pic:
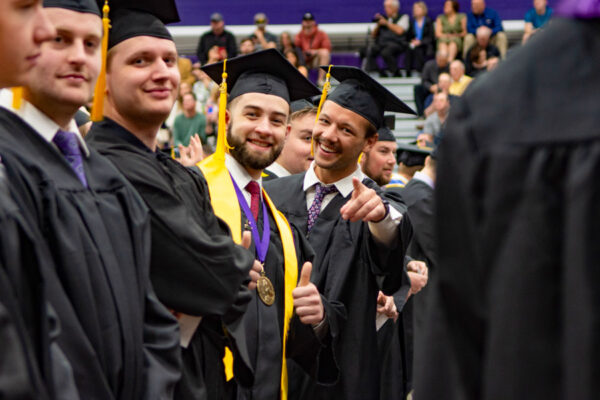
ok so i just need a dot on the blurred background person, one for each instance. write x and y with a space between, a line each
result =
422 38
536 18
189 123
247 46
315 45
450 30
481 15
217 36
263 39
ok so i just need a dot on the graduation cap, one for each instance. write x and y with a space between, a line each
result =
305 103
265 71
128 19
82 6
389 121
410 154
360 93
385 134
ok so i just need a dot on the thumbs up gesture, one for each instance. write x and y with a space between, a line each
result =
307 300
256 267
364 204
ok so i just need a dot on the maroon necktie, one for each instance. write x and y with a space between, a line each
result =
254 189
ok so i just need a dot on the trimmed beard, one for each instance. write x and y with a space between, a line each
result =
245 158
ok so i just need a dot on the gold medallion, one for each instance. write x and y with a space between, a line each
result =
265 289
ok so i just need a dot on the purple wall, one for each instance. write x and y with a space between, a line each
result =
241 12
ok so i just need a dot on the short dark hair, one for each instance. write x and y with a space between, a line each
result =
455 5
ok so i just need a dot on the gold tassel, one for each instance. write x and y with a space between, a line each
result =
222 145
98 104
17 97
326 88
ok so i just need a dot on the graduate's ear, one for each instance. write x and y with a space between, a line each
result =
370 142
227 117
288 129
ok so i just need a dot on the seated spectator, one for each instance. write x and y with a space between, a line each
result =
421 35
460 81
478 54
184 88
391 39
536 18
450 29
286 43
429 79
482 15
217 36
189 123
247 46
315 45
184 65
292 57
444 82
262 38
433 123
203 87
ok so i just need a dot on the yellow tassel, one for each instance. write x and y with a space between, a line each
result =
222 145
98 104
326 88
17 97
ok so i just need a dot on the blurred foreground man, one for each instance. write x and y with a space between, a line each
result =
515 309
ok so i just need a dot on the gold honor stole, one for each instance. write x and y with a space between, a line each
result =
226 207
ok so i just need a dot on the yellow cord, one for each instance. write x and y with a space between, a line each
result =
98 104
222 145
17 97
326 88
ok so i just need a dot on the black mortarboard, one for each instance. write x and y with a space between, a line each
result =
127 23
82 6
385 135
265 71
360 93
305 103
389 121
410 154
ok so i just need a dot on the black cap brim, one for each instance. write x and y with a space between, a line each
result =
265 72
164 10
82 6
385 135
360 93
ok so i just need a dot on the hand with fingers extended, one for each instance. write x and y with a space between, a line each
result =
193 153
307 300
386 306
256 267
365 204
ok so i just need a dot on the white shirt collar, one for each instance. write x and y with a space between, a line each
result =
239 173
422 176
42 124
278 170
344 185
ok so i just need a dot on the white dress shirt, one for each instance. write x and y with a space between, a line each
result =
278 170
42 124
241 177
383 231
424 178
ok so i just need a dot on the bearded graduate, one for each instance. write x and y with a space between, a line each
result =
282 320
358 238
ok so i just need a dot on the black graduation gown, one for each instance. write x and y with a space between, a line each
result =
419 201
349 270
99 243
516 301
24 336
268 175
196 268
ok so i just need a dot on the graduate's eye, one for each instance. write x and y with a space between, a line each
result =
138 61
250 114
278 121
347 130
169 60
307 138
323 120
92 44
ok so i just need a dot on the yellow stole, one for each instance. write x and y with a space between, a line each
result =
226 207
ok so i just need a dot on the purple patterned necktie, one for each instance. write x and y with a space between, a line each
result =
68 145
315 208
